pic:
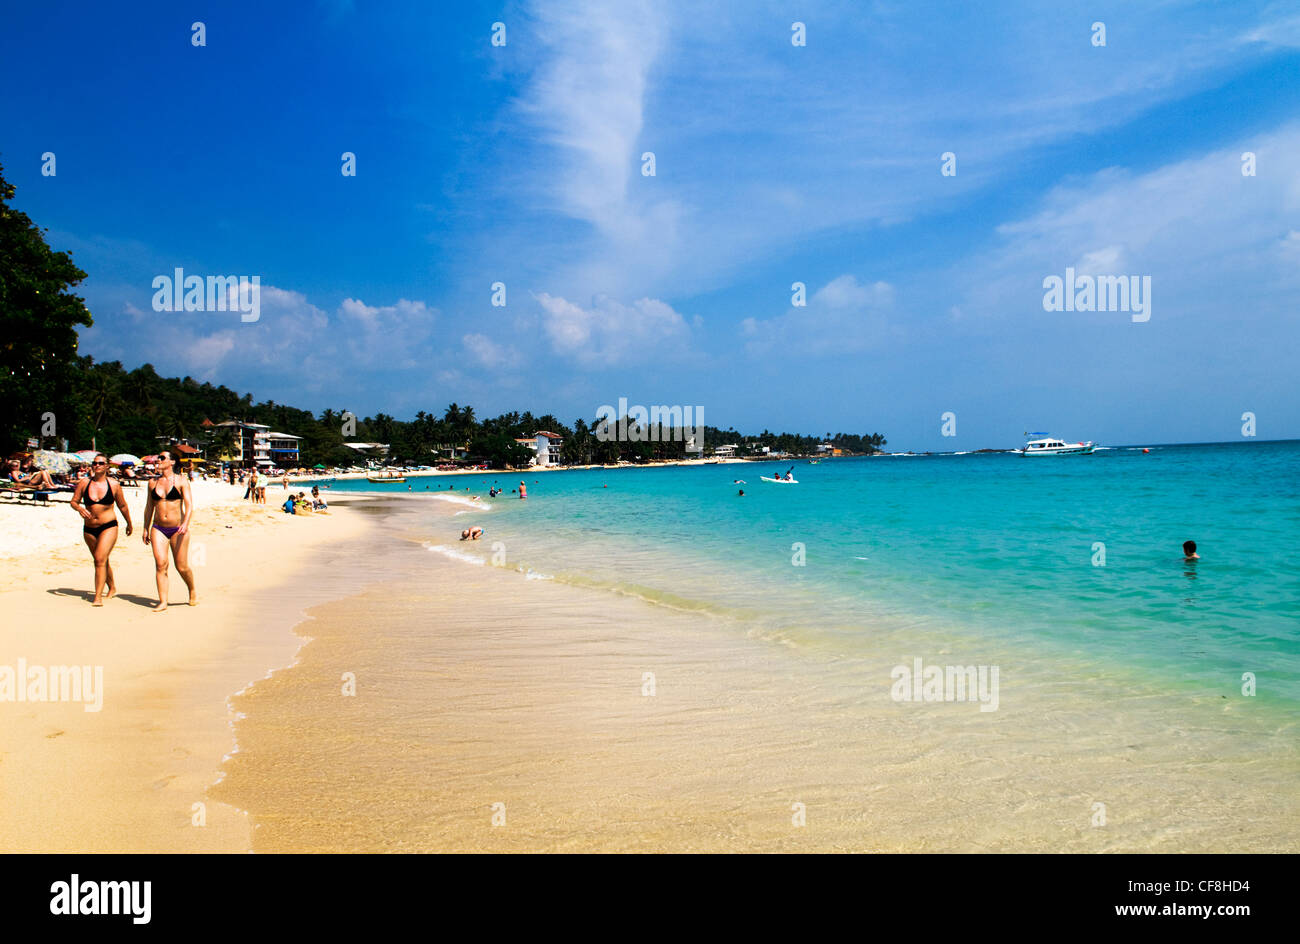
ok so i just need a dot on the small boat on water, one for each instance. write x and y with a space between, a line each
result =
385 477
1050 446
779 481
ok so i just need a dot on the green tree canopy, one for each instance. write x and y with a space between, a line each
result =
39 318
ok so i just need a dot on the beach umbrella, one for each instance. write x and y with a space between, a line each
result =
319 465
86 455
124 458
75 458
50 461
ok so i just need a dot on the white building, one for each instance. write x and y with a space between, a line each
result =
725 452
548 448
545 446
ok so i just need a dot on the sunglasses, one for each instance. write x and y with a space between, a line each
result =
99 462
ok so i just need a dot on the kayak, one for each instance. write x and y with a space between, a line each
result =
779 481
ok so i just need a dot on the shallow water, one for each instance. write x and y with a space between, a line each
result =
771 696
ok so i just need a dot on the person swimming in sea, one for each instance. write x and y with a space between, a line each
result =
1189 551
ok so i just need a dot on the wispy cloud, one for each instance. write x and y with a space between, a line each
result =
844 316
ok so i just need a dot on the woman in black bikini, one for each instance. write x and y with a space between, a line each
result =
100 528
167 522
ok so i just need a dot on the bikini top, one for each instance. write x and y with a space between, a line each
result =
108 495
173 495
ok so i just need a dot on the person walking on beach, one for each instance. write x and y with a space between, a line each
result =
167 514
93 499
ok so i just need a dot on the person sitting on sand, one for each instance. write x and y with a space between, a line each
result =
288 507
100 522
317 503
1189 551
471 534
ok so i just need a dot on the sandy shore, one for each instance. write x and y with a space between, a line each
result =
127 777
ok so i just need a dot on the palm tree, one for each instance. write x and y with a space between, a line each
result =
223 442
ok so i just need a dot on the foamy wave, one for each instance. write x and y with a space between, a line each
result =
460 500
535 575
456 554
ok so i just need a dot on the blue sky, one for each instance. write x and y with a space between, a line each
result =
774 164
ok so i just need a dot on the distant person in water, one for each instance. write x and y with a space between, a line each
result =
741 493
523 490
1189 551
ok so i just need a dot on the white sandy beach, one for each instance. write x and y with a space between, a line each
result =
126 777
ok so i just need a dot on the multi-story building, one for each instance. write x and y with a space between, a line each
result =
284 449
252 445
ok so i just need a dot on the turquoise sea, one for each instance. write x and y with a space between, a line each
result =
1072 557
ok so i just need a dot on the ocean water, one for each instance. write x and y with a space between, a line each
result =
501 699
1073 558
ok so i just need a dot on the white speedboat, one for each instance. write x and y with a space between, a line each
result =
1050 446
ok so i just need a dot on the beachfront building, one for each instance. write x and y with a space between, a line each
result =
545 446
370 450
548 448
252 443
284 449
725 452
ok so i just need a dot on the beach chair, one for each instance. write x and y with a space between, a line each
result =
29 496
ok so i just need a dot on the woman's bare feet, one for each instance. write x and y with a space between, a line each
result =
96 602
159 607
194 599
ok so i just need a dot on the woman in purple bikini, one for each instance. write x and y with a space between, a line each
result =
167 514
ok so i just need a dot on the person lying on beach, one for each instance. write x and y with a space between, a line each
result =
38 478
1189 551
471 534
100 522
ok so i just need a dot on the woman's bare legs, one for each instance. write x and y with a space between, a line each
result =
181 552
158 544
101 545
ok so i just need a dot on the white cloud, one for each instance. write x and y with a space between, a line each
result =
610 333
1212 240
489 353
843 316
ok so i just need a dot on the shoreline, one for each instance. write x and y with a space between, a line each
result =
477 686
